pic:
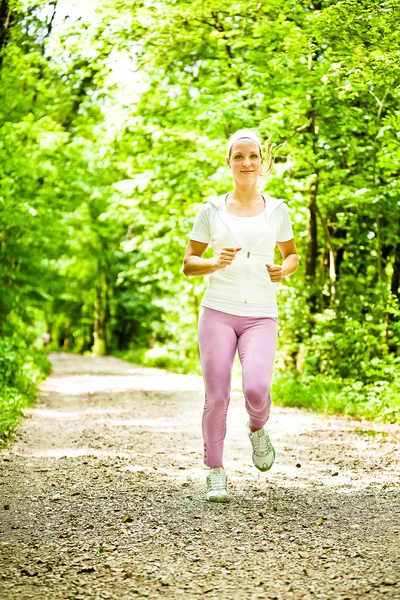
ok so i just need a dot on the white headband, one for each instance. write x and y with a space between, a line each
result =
243 134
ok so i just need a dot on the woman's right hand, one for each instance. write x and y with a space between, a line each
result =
226 257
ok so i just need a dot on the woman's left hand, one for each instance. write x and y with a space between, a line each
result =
276 272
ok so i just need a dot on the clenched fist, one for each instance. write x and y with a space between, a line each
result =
226 257
276 272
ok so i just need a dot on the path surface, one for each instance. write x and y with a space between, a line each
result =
102 496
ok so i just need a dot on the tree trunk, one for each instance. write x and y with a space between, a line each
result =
6 22
312 233
67 335
100 318
332 258
312 228
395 282
394 298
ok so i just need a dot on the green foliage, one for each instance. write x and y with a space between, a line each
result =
113 128
21 369
331 395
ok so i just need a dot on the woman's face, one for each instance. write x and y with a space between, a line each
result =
245 161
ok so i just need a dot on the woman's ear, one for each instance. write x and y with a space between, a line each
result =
228 161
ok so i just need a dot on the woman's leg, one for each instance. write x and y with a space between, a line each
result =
217 344
257 346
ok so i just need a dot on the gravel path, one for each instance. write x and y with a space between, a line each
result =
102 496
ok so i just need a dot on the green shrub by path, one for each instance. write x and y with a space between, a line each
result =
21 370
376 401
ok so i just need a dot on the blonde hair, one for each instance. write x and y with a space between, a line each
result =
268 164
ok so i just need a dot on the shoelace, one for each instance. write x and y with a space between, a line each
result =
216 482
262 445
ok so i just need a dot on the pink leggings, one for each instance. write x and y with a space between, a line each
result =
220 334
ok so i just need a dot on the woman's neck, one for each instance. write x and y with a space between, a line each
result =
246 196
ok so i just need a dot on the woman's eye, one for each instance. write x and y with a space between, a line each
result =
239 156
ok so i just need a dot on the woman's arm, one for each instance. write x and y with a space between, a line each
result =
194 264
290 262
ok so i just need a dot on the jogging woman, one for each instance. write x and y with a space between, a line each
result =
238 309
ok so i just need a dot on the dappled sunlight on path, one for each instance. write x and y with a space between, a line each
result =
105 489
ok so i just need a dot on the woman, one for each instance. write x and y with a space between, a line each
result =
239 310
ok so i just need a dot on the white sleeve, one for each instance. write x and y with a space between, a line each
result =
285 231
201 230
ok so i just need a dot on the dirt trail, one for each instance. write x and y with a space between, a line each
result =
102 496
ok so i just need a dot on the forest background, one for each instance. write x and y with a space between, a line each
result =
114 117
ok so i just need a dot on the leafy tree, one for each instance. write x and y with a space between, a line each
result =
113 129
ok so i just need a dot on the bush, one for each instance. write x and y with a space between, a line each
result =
339 364
376 401
21 370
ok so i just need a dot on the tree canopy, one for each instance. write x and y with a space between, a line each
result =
113 123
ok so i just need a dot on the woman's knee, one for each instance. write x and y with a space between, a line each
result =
216 403
257 394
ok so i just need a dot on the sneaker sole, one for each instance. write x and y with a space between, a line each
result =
256 466
218 499
265 468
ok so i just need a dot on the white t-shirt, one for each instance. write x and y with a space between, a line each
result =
244 288
244 229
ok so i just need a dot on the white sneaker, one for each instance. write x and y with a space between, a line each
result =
216 486
263 450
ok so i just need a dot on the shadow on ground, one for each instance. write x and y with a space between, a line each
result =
102 496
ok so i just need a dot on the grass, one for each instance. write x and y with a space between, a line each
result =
371 432
378 401
18 387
